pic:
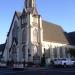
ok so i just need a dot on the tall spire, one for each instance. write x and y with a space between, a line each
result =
29 4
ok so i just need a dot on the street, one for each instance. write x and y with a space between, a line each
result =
34 71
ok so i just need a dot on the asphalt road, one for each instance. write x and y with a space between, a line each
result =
38 72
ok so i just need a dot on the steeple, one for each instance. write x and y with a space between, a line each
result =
29 4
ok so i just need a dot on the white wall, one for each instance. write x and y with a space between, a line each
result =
48 45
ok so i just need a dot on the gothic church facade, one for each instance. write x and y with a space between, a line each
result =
30 37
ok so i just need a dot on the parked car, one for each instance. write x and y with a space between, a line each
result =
57 61
64 62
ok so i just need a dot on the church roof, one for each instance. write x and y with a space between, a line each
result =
53 33
18 14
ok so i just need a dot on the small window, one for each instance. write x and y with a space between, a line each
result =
23 51
35 35
14 53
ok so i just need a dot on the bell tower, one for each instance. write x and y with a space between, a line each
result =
34 31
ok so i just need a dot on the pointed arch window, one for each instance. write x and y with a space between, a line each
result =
24 35
15 31
35 50
14 53
35 35
23 51
24 20
61 52
55 52
66 52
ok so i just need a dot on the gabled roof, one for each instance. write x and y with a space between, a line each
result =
53 33
18 14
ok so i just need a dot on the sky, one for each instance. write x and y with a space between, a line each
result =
61 12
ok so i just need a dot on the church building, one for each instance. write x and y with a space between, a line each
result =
30 37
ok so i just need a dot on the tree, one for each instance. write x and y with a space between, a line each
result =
72 52
43 60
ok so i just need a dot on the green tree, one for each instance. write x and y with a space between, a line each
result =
43 60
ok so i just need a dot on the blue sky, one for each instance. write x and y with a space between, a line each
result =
61 12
